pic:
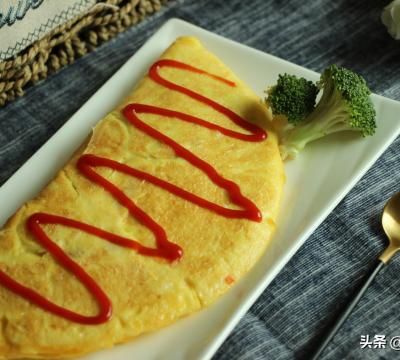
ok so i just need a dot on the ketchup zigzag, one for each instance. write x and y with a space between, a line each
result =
164 248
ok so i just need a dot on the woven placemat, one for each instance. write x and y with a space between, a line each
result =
70 41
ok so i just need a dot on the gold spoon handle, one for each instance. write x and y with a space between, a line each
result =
347 310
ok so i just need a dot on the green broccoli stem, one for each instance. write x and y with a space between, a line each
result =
329 116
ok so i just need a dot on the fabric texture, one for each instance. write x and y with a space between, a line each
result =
288 319
23 22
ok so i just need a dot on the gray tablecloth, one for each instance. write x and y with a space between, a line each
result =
288 319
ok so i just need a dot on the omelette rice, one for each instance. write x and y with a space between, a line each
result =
150 282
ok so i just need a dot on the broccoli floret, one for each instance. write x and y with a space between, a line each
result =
293 97
345 104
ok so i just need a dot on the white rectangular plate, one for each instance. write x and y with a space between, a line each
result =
348 156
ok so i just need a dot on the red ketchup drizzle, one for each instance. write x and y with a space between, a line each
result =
164 248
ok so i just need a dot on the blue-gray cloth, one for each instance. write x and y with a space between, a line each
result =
292 313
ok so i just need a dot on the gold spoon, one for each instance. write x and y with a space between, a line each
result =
391 226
